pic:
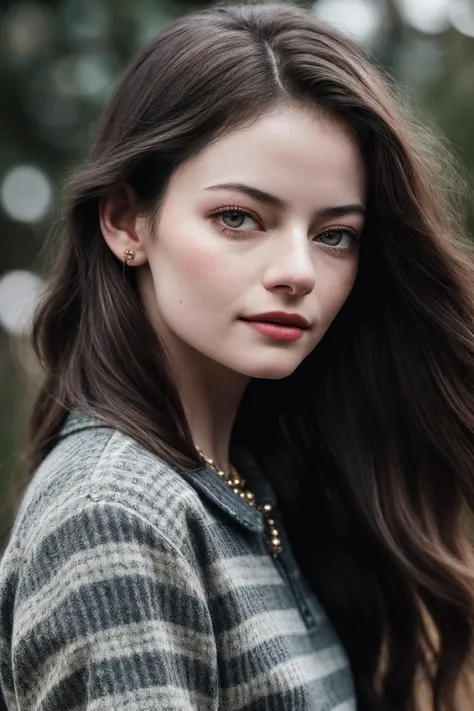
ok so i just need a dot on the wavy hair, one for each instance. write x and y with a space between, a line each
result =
375 430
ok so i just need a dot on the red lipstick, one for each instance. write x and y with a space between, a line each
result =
279 325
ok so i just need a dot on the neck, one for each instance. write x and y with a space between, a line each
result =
211 395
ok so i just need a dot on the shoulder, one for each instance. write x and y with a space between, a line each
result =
97 573
94 467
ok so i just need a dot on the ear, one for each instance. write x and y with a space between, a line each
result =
121 226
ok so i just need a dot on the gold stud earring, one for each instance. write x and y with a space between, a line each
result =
129 255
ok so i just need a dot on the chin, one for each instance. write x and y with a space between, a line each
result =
270 371
274 376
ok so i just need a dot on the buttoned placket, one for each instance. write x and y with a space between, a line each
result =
215 489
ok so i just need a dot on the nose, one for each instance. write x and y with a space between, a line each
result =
291 268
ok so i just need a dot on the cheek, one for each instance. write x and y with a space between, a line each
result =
190 278
206 277
196 262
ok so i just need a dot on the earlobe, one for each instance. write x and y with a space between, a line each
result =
118 223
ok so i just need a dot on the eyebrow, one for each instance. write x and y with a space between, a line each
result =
268 199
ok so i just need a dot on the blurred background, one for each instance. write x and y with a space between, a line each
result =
59 62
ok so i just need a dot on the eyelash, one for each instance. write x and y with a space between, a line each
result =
244 211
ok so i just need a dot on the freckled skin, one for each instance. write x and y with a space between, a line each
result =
199 281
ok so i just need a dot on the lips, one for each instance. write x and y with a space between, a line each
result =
281 318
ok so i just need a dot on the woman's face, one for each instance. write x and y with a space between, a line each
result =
266 220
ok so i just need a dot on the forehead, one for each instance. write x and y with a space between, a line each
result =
294 152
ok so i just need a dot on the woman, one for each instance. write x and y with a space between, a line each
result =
253 449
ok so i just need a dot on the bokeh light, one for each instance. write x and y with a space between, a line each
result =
430 16
26 30
26 193
93 75
20 292
361 19
461 15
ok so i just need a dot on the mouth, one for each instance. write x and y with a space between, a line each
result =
279 326
280 318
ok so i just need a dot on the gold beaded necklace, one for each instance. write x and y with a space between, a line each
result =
237 484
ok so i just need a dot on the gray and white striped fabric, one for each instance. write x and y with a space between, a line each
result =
128 585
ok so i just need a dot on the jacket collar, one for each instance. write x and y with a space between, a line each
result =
205 481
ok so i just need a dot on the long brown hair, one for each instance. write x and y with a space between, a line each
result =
375 429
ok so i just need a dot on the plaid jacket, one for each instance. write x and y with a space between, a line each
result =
127 585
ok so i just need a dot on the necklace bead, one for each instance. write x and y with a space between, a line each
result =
237 484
